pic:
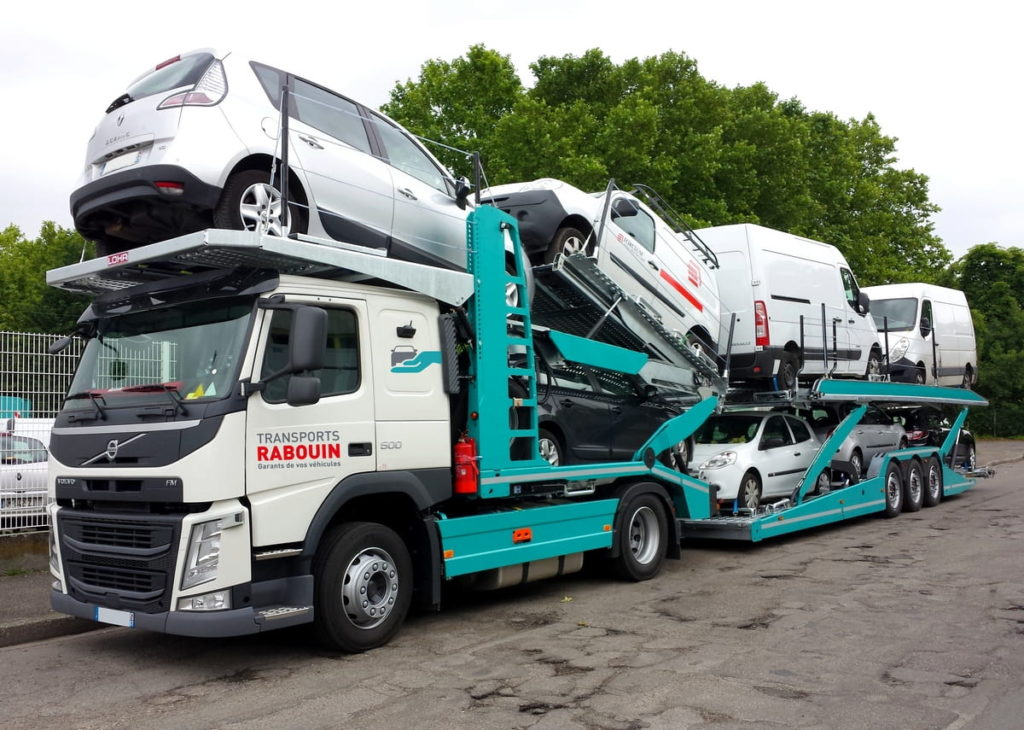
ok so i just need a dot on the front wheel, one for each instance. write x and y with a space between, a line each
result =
750 490
643 539
250 203
874 365
569 240
363 586
550 449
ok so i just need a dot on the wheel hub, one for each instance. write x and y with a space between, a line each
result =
370 588
643 535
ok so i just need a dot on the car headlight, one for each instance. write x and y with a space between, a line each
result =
203 554
898 350
719 460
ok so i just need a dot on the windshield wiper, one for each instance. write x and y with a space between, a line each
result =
169 388
94 399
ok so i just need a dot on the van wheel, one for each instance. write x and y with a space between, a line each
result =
919 375
932 482
569 240
893 490
788 366
968 378
913 487
874 365
249 202
363 586
642 539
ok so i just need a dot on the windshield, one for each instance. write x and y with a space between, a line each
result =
902 314
186 353
21 450
728 429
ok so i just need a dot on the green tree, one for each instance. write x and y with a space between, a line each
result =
29 304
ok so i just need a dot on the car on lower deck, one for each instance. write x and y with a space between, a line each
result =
930 425
193 142
748 456
876 433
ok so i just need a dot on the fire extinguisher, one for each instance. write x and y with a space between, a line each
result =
466 469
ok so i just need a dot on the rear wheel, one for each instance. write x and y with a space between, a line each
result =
932 482
569 240
913 487
857 462
643 538
823 483
788 367
893 490
363 586
249 203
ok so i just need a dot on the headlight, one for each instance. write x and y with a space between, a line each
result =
719 460
203 554
899 349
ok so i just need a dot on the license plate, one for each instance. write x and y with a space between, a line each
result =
120 162
115 617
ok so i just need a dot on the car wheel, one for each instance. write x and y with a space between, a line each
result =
643 538
788 366
857 462
569 240
550 450
903 443
913 487
874 365
249 202
750 490
823 484
919 375
677 457
971 462
932 482
893 489
363 586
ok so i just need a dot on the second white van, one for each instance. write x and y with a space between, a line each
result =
930 333
778 285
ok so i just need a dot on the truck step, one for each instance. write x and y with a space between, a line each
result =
277 613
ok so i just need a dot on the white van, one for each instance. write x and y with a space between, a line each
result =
930 333
776 284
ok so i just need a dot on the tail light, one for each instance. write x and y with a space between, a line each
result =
209 91
917 435
761 335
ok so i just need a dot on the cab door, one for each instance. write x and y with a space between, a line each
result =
861 334
294 455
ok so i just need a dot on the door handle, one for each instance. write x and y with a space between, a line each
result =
796 453
407 193
311 142
852 321
364 449
652 264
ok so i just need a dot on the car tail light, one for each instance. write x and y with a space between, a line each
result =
210 90
761 335
917 435
168 62
170 188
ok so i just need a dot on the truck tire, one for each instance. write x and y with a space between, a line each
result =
642 539
363 586
893 486
932 482
248 197
913 487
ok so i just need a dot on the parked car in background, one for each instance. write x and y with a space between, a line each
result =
748 456
930 334
23 472
588 414
191 144
929 426
876 433
777 285
652 256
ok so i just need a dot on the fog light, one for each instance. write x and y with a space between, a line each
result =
217 601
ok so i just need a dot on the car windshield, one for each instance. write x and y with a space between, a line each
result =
900 313
728 429
184 71
189 352
21 450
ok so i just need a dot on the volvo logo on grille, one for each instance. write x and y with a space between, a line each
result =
110 453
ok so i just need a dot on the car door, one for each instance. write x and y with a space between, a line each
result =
350 186
626 252
429 226
777 456
878 433
632 419
860 334
567 392
806 446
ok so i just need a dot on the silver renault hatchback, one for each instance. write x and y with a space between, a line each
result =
193 142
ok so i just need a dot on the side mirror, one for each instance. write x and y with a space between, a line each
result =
462 191
926 326
303 390
863 303
306 340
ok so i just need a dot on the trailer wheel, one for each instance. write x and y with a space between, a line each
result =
249 202
893 490
932 482
913 487
569 240
642 539
363 586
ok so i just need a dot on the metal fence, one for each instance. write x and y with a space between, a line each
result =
32 387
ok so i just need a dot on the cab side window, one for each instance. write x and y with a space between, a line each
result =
340 373
637 223
850 287
927 323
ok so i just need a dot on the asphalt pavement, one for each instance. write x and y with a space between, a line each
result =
25 613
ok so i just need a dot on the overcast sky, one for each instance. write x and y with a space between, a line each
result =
943 78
